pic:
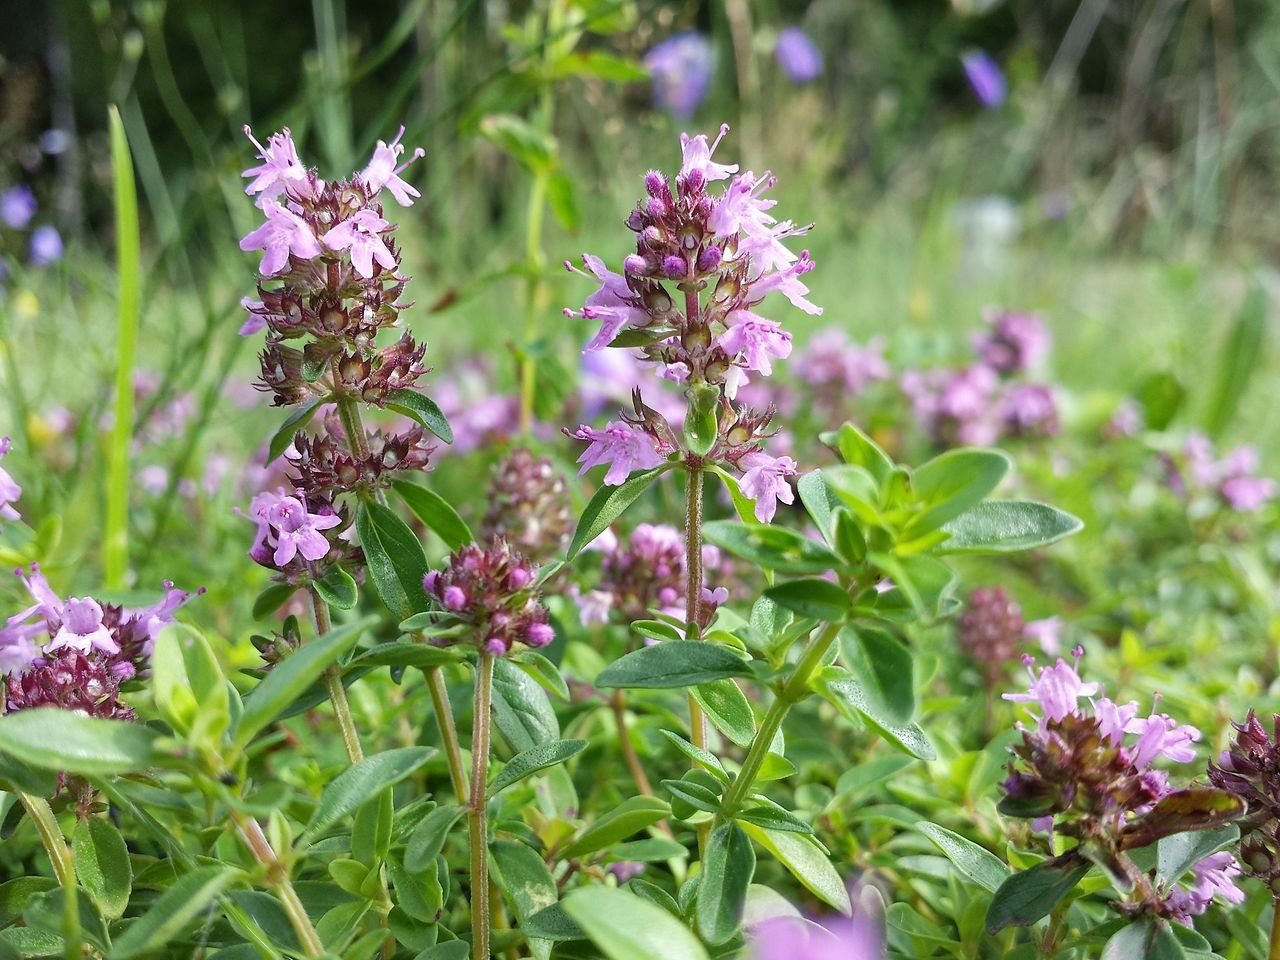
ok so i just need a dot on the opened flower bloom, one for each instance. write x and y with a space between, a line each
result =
764 480
382 173
9 489
361 233
286 529
283 234
621 446
280 170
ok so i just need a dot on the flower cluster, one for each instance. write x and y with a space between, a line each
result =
529 505
687 301
330 278
491 590
837 369
681 67
646 574
9 489
88 648
1089 772
1232 479
991 629
1250 770
296 540
990 398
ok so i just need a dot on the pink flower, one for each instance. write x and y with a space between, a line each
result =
1057 690
623 447
362 232
283 234
280 169
764 481
257 320
151 620
1159 735
696 155
382 171
741 209
787 282
9 489
1214 876
82 628
612 304
839 938
298 531
1114 718
756 339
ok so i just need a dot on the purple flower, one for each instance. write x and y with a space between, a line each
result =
756 339
740 209
764 480
1214 876
1047 633
82 628
9 489
798 56
1015 342
788 283
696 153
283 234
1114 718
1247 494
1056 690
46 246
830 359
613 304
620 445
382 171
839 938
985 78
1159 735
17 206
491 590
1029 410
280 170
257 320
286 529
681 67
362 233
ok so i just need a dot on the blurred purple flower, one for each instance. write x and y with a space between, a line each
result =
1015 342
681 67
46 246
9 489
985 78
838 938
17 206
798 55
1029 410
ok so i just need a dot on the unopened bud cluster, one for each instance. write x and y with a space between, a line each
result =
529 505
492 591
989 631
1250 769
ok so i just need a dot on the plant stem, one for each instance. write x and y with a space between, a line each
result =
477 827
337 692
693 609
64 868
278 878
619 703
448 732
792 691
1273 952
352 425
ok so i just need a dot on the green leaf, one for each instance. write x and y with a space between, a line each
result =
1238 360
522 873
292 677
1195 808
429 836
630 816
272 599
534 759
728 709
804 858
856 700
1023 898
521 710
289 429
727 871
819 599
626 927
704 758
21 776
605 66
1145 939
691 795
420 407
405 653
396 561
608 504
677 663
535 149
1008 526
977 863
102 865
190 689
553 923
338 589
544 671
775 548
774 818
885 669
361 783
701 427
436 512
1177 854
174 912
54 739
562 196
954 481
859 450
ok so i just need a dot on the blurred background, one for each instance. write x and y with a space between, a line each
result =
1109 164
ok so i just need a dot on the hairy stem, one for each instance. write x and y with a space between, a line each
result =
333 681
352 426
476 808
278 878
619 704
1273 952
693 611
64 868
448 732
793 691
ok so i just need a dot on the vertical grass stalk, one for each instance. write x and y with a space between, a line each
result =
476 807
64 868
115 547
